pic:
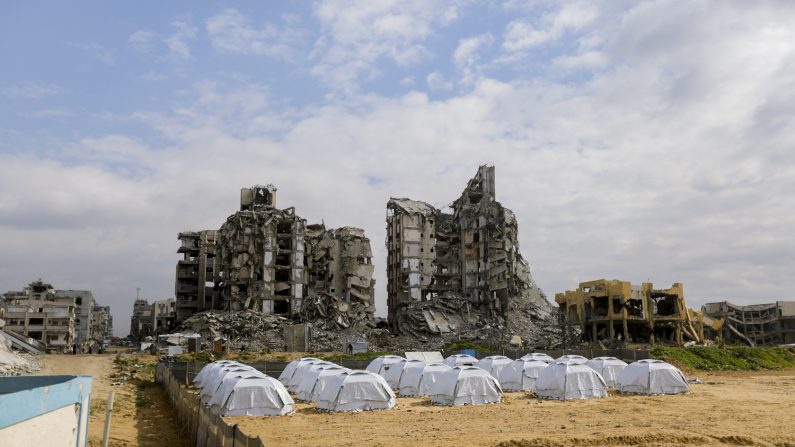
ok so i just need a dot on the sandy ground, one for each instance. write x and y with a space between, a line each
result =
728 409
142 414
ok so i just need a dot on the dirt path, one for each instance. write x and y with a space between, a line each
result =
755 409
142 414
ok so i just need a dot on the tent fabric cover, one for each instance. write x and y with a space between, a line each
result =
218 396
354 391
460 360
569 380
465 385
289 370
377 364
212 388
302 370
214 377
204 373
418 379
652 377
608 367
578 359
494 364
521 375
305 389
255 396
394 372
538 356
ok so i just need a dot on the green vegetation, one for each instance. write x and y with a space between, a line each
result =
466 344
730 358
336 357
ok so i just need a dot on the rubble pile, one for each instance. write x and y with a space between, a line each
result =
16 364
450 317
329 312
243 330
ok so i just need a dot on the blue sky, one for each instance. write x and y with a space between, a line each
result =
645 140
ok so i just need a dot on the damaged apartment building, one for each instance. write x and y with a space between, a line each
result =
755 324
469 256
270 260
617 310
59 321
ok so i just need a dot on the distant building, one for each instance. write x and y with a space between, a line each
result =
163 316
755 324
141 320
613 309
62 320
197 273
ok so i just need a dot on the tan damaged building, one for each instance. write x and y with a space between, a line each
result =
613 309
472 251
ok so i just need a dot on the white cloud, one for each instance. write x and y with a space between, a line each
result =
97 51
436 81
230 31
467 55
178 42
32 90
142 41
527 33
359 36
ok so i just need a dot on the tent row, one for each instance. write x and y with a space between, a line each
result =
231 388
334 388
567 377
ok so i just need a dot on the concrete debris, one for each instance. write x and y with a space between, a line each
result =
246 330
16 364
329 312
448 271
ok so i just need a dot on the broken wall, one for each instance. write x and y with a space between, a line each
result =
472 251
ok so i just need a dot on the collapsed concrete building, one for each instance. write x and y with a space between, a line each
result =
755 324
59 320
466 263
197 273
618 310
270 260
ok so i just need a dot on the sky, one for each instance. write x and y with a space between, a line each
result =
641 141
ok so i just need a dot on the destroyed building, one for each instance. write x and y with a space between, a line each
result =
617 310
141 320
197 273
59 320
755 324
270 260
467 261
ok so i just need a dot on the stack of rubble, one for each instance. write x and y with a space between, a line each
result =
329 312
243 330
15 364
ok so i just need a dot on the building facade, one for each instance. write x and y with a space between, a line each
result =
472 251
755 324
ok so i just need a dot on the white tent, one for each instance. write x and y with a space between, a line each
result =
393 373
494 364
254 396
379 364
208 368
608 367
289 370
213 378
569 380
652 377
304 390
538 356
217 397
212 387
578 359
521 375
460 360
302 370
465 385
355 391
